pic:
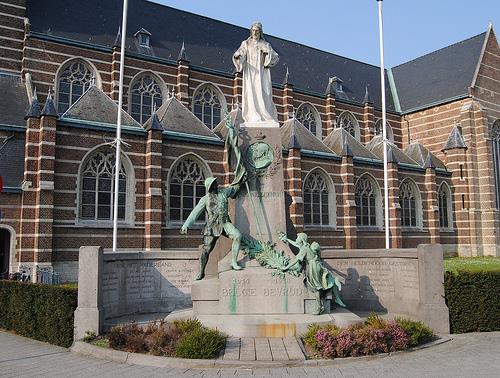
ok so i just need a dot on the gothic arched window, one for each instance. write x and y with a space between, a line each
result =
495 138
317 196
208 105
409 200
145 95
309 117
445 212
97 187
348 122
378 130
186 187
72 82
366 195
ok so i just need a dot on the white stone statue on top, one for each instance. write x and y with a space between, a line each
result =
254 59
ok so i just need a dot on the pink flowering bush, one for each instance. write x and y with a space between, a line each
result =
376 335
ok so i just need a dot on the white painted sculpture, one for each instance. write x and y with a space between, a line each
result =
254 59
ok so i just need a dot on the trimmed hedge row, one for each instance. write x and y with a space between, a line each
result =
42 312
473 299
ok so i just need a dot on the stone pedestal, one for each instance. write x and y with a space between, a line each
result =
261 211
88 314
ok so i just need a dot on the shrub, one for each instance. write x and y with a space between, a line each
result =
375 335
117 338
418 332
42 312
312 329
89 336
200 343
183 338
187 325
375 321
473 301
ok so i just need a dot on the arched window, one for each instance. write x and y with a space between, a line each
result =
445 206
208 105
72 82
319 201
97 187
186 187
378 130
367 198
410 203
309 117
495 137
348 122
145 94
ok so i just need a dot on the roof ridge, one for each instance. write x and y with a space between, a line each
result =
438 50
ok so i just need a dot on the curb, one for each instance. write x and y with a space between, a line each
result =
89 350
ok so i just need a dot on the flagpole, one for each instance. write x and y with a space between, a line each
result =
119 126
384 124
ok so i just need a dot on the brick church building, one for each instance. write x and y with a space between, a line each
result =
59 73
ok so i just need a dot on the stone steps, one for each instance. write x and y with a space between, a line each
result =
262 349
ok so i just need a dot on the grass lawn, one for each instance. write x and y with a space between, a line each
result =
472 264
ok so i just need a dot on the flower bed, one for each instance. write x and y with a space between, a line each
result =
182 338
374 336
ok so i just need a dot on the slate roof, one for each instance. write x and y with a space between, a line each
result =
294 131
174 116
443 74
209 43
394 154
339 136
237 119
420 154
12 161
96 106
13 100
455 140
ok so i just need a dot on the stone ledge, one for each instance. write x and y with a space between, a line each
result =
85 349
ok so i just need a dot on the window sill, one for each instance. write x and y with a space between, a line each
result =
370 228
96 224
447 230
412 229
178 226
320 228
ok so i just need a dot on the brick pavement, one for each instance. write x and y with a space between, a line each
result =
469 355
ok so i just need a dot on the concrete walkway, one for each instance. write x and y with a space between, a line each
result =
469 355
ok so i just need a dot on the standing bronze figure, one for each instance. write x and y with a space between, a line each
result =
215 204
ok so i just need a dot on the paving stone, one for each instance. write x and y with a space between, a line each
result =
293 349
278 349
232 351
247 349
262 349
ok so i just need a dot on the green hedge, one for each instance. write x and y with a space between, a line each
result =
42 312
473 300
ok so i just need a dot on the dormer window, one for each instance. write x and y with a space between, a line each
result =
143 37
144 40
337 84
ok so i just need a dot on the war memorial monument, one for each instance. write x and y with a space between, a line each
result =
253 276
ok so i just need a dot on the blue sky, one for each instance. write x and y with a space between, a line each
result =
350 27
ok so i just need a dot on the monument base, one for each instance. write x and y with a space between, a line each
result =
278 325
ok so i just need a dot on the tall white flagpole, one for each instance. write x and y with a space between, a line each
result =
384 123
119 125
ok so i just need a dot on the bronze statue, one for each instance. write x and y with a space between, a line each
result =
318 279
215 203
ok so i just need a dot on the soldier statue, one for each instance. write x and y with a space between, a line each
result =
215 204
